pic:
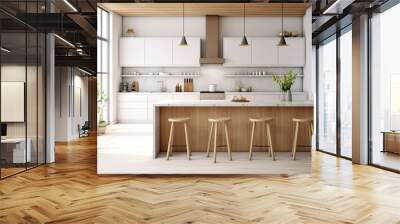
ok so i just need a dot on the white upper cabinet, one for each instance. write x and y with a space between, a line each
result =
264 51
186 55
294 54
158 51
234 54
131 51
153 51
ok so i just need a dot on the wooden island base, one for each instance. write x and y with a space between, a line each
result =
282 127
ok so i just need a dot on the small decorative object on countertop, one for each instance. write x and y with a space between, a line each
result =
240 99
135 86
285 82
130 32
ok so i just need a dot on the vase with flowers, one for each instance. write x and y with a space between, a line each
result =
285 83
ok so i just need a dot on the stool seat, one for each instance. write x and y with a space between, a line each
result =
179 119
302 119
219 119
264 119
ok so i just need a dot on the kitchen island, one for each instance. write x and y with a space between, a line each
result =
199 111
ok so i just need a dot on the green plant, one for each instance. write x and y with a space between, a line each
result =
285 81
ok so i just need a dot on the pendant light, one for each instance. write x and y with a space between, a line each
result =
244 42
282 41
183 40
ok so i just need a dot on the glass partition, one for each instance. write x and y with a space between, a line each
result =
22 101
385 89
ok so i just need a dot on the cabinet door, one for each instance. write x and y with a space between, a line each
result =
234 54
131 51
264 51
294 54
158 51
186 55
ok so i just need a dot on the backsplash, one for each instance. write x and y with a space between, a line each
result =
212 74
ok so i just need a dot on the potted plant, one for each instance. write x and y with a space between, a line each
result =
101 103
285 83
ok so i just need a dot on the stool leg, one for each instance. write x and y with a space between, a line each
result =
209 139
271 149
310 132
227 142
171 133
187 141
215 142
295 141
251 140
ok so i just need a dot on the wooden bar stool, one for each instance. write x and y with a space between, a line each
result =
214 126
309 123
183 120
264 121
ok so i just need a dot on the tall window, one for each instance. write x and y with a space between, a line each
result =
385 89
346 93
327 96
335 94
103 70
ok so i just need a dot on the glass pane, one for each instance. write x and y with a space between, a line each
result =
104 88
13 79
41 99
385 84
327 97
346 94
99 55
104 24
31 100
104 56
99 22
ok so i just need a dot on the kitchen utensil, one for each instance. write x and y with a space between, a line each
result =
212 87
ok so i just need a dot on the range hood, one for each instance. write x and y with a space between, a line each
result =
212 41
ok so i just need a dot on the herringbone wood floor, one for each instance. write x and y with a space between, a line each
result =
69 191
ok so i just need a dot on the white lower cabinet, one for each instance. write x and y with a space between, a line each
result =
138 107
132 107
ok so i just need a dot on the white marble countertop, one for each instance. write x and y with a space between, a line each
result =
228 103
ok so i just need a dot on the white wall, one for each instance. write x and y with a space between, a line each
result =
116 32
68 81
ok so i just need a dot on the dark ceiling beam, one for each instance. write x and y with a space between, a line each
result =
84 24
79 61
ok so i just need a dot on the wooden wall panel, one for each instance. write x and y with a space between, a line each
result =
240 127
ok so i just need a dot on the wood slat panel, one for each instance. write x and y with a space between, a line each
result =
239 128
203 9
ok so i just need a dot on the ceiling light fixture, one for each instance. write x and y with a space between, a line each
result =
5 50
282 41
70 5
183 40
244 41
64 40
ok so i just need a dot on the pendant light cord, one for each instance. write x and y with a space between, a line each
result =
282 17
244 18
183 17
